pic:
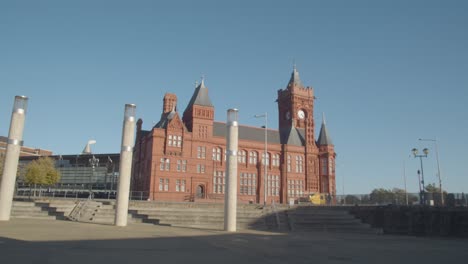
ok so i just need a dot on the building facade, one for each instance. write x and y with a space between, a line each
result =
182 158
25 151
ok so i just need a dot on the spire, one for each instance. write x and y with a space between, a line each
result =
202 83
295 79
324 138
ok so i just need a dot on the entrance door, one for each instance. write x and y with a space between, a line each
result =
200 191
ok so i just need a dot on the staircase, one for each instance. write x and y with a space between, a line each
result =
326 219
89 211
198 215
29 210
276 218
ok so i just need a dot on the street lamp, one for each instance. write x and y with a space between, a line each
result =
438 167
265 115
422 193
94 162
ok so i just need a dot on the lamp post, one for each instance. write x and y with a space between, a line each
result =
94 162
13 148
265 115
438 167
422 194
230 198
125 169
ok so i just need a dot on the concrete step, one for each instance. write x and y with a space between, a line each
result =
340 230
326 220
22 204
176 209
200 218
44 217
194 213
217 226
26 209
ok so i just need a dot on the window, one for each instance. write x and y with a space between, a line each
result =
179 165
248 183
241 157
200 168
295 188
273 185
219 181
180 185
289 163
299 164
201 152
253 157
216 154
164 184
168 164
331 169
184 165
324 166
174 141
276 160
161 164
179 141
267 159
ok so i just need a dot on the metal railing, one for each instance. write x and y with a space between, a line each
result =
74 192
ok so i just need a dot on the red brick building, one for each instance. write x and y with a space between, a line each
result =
183 156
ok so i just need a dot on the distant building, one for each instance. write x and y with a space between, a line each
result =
25 151
182 158
80 175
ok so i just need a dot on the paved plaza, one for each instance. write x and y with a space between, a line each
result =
42 241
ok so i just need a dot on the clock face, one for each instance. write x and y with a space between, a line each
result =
300 114
288 115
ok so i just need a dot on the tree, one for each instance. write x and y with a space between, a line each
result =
42 171
351 199
382 196
432 188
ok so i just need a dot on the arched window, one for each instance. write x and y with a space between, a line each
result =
276 160
267 158
241 157
253 157
289 163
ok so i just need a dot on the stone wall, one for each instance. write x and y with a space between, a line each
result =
420 221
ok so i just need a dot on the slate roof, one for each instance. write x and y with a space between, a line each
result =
324 137
293 136
295 79
200 96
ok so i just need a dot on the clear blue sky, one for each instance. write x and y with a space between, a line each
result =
385 73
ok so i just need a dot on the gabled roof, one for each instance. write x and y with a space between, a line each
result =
293 136
200 96
324 138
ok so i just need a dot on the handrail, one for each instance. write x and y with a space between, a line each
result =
75 214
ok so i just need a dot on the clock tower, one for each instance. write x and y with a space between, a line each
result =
296 127
296 107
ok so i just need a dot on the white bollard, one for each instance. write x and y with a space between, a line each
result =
230 200
15 141
126 153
